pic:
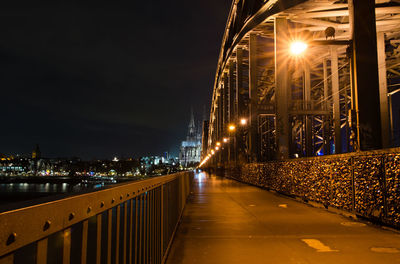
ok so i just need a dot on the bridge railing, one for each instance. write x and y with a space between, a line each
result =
126 223
364 183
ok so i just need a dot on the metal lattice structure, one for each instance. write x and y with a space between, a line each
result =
337 97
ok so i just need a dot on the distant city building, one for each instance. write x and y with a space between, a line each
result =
36 154
190 150
151 160
166 156
36 159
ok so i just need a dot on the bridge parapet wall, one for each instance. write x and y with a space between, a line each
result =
364 183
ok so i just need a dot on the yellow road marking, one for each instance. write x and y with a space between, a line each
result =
283 205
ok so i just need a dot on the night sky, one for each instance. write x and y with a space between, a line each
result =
105 78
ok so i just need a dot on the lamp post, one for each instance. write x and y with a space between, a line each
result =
231 129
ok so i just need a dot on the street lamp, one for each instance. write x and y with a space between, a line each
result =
218 144
231 128
298 47
243 121
225 140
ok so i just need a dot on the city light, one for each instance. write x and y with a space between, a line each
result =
216 148
298 47
243 121
212 152
225 140
231 128
204 160
218 143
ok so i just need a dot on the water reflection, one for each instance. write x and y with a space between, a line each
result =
46 187
200 178
16 192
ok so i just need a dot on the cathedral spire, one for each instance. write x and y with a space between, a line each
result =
192 127
191 123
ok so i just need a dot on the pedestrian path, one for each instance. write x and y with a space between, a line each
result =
230 222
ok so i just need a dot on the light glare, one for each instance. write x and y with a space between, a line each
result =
298 47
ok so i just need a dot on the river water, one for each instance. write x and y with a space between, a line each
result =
17 192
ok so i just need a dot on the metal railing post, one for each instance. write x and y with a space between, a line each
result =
162 221
109 235
125 232
84 241
117 231
137 199
98 241
140 229
131 230
41 252
67 246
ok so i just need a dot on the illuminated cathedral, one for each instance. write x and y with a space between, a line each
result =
190 149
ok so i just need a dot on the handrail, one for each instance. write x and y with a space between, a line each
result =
150 199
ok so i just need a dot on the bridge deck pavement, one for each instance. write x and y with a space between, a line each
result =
229 222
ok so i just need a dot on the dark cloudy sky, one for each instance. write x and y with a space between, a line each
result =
104 78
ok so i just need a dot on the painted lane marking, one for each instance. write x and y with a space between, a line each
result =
352 224
252 205
318 245
283 205
385 250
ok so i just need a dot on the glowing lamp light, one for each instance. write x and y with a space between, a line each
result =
216 148
231 128
298 47
212 152
218 144
225 140
243 121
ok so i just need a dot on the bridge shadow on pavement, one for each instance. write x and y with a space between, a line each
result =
230 222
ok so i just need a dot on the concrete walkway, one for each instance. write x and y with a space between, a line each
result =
230 222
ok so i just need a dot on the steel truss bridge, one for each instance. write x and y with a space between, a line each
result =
272 114
336 97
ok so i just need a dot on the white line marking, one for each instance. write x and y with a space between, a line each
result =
318 245
283 205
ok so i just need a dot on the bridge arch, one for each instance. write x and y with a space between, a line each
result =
334 98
